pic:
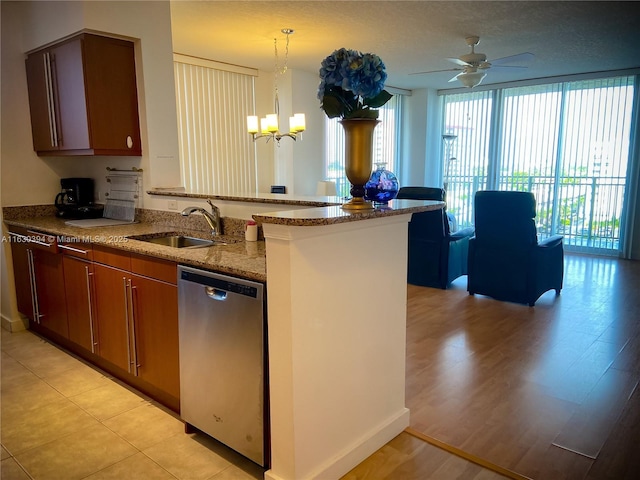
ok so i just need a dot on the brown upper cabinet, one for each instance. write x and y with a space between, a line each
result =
83 98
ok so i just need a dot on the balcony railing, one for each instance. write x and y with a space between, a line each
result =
586 210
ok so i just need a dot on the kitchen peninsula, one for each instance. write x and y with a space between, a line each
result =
336 298
337 293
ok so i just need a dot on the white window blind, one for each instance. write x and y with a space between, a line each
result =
385 144
568 143
468 116
216 153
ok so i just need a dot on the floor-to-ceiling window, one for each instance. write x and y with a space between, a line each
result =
568 143
385 144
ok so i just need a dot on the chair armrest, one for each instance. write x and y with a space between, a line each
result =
460 234
551 242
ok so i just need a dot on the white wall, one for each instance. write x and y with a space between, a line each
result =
421 141
27 179
265 152
308 154
297 165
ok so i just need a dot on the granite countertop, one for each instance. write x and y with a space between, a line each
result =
330 215
238 258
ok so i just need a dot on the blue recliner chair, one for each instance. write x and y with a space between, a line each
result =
436 256
506 261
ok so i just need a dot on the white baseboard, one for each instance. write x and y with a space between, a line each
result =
13 325
377 438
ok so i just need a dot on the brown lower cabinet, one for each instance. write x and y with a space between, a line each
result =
50 292
154 313
39 279
137 318
117 310
79 292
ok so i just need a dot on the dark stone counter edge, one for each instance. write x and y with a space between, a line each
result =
267 198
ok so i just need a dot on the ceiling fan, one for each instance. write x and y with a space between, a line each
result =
473 66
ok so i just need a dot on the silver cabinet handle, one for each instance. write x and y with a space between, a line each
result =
136 365
34 238
88 276
29 239
126 318
50 101
32 282
73 249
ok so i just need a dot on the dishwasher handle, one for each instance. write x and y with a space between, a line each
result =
215 294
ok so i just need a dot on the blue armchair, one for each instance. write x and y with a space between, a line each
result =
436 256
506 261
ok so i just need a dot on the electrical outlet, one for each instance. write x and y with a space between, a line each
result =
173 205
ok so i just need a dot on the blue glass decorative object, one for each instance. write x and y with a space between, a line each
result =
382 185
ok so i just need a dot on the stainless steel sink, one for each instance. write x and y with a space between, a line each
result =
176 240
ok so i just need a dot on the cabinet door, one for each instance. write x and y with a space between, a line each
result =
112 98
39 106
78 280
83 97
112 315
22 276
50 292
69 93
155 313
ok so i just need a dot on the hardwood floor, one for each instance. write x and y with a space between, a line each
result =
408 457
550 392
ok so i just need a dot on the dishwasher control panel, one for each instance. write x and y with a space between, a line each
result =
247 290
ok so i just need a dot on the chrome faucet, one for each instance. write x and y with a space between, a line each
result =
213 218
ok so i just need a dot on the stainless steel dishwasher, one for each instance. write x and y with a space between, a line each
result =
223 360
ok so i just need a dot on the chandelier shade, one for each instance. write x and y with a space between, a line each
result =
268 126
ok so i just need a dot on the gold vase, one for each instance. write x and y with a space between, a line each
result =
358 159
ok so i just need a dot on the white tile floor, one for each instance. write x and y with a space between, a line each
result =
63 420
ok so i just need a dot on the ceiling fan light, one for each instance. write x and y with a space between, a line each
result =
472 79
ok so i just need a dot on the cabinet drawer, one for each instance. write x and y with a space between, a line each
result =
112 257
82 250
164 270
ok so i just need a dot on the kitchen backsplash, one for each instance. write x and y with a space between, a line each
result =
230 226
28 211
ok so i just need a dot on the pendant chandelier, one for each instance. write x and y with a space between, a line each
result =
268 126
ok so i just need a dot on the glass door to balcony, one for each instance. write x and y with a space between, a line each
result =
568 143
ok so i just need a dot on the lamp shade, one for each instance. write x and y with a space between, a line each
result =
272 123
471 79
252 124
297 123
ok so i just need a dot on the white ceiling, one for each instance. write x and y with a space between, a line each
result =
414 36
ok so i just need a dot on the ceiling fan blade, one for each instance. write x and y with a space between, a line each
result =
520 58
436 71
457 61
456 77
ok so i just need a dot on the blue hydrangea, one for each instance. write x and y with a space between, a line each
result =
351 79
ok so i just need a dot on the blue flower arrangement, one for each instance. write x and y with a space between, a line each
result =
352 84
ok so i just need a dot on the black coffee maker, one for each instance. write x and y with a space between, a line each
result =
75 201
